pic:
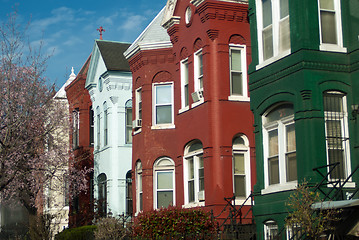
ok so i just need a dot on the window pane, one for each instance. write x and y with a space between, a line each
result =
200 64
163 94
239 164
186 95
191 191
273 142
284 9
334 134
280 112
164 180
190 169
164 114
195 146
291 144
273 170
271 230
267 43
267 12
201 173
240 186
284 35
333 102
129 116
164 199
329 34
141 202
327 4
237 83
236 60
291 167
185 77
337 155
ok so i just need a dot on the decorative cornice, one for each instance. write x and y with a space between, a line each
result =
148 46
223 11
171 22
306 94
212 34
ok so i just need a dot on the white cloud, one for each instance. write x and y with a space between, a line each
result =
132 23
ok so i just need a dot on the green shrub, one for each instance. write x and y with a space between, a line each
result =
173 222
80 233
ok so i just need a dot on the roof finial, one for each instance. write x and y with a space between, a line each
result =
101 29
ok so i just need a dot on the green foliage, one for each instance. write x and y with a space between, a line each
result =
310 221
80 233
110 228
172 222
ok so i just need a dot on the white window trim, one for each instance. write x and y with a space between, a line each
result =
196 202
183 97
138 93
345 131
246 151
157 169
275 15
196 77
266 228
338 25
162 125
283 185
138 192
245 96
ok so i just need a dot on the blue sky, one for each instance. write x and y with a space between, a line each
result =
68 28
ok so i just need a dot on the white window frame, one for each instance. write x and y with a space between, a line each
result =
158 168
138 103
98 128
105 124
242 149
156 125
139 187
338 27
184 77
279 125
268 229
128 123
277 54
244 96
76 128
198 78
196 166
343 116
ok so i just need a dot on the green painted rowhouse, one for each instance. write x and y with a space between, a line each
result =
304 87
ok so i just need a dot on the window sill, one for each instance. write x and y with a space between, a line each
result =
239 201
280 187
183 110
272 59
238 98
332 48
347 184
194 204
197 103
163 126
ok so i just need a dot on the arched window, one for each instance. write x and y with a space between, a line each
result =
280 165
164 183
270 230
337 133
102 194
129 206
128 109
241 167
194 172
139 203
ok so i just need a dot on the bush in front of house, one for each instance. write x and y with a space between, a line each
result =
110 228
173 222
79 233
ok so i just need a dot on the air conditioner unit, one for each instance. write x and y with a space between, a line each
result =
137 123
197 95
201 196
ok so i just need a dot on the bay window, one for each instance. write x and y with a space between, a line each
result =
273 29
163 104
163 183
280 165
194 173
337 133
